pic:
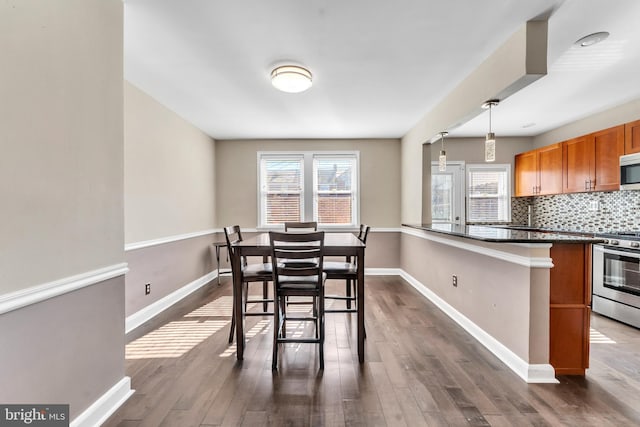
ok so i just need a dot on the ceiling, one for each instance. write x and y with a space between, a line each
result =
378 66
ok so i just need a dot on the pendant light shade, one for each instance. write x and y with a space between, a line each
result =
291 78
490 141
442 159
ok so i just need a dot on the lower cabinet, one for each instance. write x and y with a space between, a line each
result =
569 314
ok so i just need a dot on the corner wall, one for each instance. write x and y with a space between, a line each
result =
169 200
61 180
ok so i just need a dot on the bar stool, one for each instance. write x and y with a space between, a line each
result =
347 270
249 273
297 261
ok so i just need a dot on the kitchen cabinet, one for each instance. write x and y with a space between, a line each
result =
569 309
539 172
632 137
591 162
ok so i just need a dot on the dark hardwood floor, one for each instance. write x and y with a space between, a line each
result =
421 369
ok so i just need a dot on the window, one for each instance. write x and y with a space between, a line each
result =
308 186
488 193
281 189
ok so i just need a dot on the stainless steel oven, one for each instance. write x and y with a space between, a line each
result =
616 280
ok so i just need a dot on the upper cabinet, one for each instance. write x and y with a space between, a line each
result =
632 137
591 162
539 172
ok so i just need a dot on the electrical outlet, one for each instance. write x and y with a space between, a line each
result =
455 281
147 289
594 206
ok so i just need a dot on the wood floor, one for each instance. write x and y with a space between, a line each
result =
421 369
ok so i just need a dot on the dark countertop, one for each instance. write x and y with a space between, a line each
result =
507 234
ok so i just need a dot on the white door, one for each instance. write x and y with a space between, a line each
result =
447 194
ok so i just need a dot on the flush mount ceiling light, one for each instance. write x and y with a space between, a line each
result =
490 142
291 78
592 39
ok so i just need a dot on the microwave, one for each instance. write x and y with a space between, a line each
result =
630 172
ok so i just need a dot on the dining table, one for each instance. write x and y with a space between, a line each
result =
335 244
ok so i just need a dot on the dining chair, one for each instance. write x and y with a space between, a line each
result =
300 227
297 263
347 270
249 273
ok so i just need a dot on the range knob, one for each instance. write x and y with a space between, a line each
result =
606 241
635 245
614 242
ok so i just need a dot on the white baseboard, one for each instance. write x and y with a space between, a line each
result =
382 272
105 406
152 310
541 373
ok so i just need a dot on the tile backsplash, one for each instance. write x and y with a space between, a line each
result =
591 212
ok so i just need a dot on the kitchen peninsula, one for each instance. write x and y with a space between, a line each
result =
525 294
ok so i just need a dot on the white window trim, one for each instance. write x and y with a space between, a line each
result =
499 167
308 189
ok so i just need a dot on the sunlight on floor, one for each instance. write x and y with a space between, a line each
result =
262 327
599 338
219 307
173 339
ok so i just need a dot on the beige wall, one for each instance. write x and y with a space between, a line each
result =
236 175
508 301
519 61
169 179
624 113
61 180
471 150
60 139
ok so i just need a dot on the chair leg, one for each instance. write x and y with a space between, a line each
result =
233 324
276 327
245 294
283 315
321 323
348 293
265 295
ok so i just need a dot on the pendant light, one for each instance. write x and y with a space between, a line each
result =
442 160
490 141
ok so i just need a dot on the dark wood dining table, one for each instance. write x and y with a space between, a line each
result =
335 244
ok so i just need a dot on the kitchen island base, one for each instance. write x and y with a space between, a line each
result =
526 301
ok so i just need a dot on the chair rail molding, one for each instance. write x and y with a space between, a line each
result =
168 239
35 294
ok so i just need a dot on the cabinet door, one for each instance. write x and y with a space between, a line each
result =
526 171
550 169
632 137
608 147
577 157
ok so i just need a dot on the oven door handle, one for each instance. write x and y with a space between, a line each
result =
632 253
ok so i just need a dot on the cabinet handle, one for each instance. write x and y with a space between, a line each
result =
592 184
586 184
533 189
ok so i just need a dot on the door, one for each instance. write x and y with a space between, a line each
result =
577 157
526 167
550 169
632 137
447 194
608 147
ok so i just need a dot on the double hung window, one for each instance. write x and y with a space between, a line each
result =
308 186
488 193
